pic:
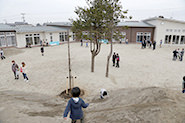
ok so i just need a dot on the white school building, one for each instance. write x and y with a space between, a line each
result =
171 32
22 35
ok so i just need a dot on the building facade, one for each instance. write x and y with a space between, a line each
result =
171 32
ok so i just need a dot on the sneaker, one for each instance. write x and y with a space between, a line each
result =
27 80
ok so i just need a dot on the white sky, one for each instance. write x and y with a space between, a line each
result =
40 11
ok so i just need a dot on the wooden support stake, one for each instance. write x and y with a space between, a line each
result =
67 86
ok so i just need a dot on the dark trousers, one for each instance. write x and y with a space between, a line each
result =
117 64
16 76
113 62
3 57
153 47
81 121
25 76
174 57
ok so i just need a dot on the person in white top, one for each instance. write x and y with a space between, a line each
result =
103 93
2 54
23 70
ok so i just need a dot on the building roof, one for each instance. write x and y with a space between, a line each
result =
22 29
135 24
4 27
164 19
126 23
67 24
30 28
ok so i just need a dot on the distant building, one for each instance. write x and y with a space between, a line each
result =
171 32
19 34
22 35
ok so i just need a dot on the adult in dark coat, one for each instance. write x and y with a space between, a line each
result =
114 58
175 54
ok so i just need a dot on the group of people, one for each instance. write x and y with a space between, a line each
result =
148 43
22 69
86 43
115 59
177 54
2 54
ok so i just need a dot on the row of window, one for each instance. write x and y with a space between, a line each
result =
174 39
175 30
34 39
141 36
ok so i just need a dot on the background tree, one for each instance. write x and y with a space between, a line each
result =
99 20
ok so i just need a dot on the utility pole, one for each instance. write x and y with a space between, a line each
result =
23 18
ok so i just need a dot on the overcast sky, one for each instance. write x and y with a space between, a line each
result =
40 11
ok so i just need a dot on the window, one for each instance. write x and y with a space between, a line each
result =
2 40
123 34
29 39
167 39
36 39
66 36
63 36
175 39
51 37
10 38
182 40
141 36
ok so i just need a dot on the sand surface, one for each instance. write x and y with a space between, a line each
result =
146 87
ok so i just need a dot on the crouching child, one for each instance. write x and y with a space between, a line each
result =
75 105
183 85
103 93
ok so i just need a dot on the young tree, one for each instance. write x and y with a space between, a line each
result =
99 19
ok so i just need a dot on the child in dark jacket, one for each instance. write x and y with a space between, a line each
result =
75 105
183 85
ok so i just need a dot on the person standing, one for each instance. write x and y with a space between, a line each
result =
42 50
154 45
74 106
86 43
81 42
114 58
23 70
181 54
175 54
2 54
161 43
117 60
15 69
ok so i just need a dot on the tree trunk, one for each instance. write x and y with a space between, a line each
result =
108 59
92 62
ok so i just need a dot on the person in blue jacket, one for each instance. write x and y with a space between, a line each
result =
75 105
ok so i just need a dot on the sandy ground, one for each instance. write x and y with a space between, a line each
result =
146 87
